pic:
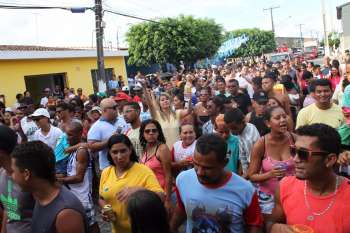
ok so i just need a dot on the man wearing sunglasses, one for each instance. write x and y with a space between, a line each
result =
315 197
46 133
108 124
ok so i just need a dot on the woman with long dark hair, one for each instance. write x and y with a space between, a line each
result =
147 213
122 178
157 155
271 159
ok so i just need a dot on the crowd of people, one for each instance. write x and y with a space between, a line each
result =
240 147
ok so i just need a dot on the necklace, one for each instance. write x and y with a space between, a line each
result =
312 216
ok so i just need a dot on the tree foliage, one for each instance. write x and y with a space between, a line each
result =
172 40
333 39
259 42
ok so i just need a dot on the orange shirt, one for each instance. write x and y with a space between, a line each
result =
335 220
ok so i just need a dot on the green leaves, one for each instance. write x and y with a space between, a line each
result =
333 39
172 40
259 42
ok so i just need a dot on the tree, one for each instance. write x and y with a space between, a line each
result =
333 40
259 42
172 40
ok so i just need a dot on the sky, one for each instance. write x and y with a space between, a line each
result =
63 28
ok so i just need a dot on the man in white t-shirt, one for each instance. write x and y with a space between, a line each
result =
27 125
45 99
46 133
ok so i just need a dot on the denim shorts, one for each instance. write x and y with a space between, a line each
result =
266 202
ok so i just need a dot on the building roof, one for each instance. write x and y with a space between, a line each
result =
21 52
32 48
340 8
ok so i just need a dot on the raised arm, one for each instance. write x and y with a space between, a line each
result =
150 100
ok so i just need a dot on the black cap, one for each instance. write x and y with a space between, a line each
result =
260 97
8 139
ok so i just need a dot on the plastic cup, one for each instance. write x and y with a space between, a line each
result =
299 228
281 165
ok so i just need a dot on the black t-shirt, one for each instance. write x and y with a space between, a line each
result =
242 100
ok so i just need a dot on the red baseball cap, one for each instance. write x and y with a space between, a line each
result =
122 96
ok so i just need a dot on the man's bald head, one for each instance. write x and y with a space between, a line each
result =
109 109
107 103
75 127
74 132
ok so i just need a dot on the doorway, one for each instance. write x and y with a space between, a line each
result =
36 84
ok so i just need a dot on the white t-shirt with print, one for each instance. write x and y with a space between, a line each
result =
179 152
29 127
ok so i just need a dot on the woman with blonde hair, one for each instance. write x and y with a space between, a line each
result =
161 110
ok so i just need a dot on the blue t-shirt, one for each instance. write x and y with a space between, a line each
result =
232 153
62 144
113 84
145 116
221 209
102 130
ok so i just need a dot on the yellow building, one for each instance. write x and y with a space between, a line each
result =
34 68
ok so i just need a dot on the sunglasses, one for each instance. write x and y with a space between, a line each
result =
304 154
148 131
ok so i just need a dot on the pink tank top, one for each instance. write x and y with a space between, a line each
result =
269 163
334 81
155 165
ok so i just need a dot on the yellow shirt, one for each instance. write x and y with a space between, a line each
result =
138 175
333 116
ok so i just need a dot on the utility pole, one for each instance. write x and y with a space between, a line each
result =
326 45
301 37
117 38
99 45
271 14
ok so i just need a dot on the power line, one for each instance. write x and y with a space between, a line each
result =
131 16
29 7
73 9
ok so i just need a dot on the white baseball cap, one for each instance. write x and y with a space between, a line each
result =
125 88
96 108
41 112
8 109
